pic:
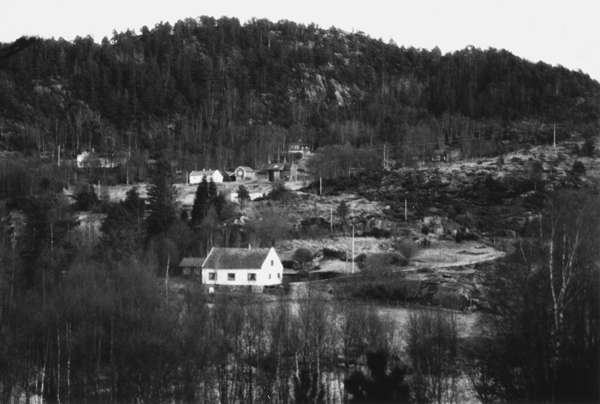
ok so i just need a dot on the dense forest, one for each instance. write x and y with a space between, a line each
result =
217 93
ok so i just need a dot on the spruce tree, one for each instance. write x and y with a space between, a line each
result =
212 191
201 203
162 200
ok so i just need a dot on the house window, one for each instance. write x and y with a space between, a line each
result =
269 276
278 276
196 271
252 277
231 277
186 271
211 276
272 262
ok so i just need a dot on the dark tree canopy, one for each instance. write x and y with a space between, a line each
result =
162 200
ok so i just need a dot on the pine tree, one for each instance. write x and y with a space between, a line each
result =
201 203
212 190
218 203
243 195
162 200
342 211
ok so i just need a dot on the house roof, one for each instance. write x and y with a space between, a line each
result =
208 173
245 168
192 262
278 167
236 258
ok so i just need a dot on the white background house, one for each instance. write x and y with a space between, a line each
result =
196 176
242 267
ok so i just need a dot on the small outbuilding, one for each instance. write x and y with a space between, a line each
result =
191 267
439 155
282 171
299 147
244 173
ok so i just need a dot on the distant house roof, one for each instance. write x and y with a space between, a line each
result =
208 173
278 167
191 262
246 168
236 258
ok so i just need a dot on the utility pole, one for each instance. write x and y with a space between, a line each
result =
554 136
352 248
331 221
320 186
384 157
59 155
405 211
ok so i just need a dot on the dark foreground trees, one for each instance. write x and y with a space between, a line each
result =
544 343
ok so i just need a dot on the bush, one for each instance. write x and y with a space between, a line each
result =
85 198
464 236
466 220
587 150
407 248
303 256
578 168
378 233
384 261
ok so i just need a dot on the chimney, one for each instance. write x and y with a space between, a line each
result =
249 246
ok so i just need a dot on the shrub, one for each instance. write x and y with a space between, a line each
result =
85 198
384 261
380 233
407 248
578 168
463 235
466 220
587 150
303 256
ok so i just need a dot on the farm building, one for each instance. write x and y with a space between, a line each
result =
91 159
282 171
196 176
242 267
439 155
233 197
244 173
229 176
299 147
191 267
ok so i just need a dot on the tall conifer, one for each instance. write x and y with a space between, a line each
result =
162 200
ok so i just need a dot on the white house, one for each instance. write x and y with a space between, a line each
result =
242 267
253 195
196 176
82 159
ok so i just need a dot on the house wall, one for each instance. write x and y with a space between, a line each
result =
253 195
267 275
241 174
217 178
273 175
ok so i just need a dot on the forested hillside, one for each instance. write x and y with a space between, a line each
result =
219 93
